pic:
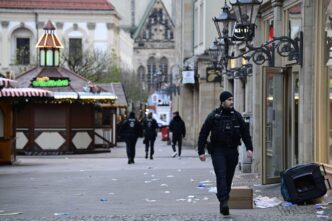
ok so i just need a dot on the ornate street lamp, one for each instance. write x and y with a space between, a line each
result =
246 11
223 21
244 30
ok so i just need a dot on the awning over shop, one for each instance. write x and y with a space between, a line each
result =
25 92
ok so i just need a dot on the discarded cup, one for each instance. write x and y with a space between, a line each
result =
62 214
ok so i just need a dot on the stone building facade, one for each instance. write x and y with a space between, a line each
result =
289 105
154 47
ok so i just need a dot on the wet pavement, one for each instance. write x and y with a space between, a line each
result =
104 187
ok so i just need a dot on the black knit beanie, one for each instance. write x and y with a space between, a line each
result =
225 95
131 115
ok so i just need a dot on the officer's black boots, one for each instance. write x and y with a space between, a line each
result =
151 157
146 155
224 209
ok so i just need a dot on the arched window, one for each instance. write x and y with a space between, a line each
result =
22 39
163 66
2 124
152 68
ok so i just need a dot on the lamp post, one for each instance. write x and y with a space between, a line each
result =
241 28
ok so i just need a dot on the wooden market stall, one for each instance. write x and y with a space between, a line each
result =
71 123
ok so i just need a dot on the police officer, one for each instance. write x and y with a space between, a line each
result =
150 127
227 127
130 130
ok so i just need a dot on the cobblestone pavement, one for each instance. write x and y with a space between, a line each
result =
100 187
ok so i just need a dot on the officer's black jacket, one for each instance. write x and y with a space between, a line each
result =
150 127
131 128
216 122
177 126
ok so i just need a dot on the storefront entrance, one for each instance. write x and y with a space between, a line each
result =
280 121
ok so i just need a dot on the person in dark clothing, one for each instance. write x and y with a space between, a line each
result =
130 130
150 127
227 128
178 129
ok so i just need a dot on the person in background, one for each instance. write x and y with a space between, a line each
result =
227 127
150 130
178 129
130 130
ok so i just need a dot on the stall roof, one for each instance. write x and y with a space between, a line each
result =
78 87
117 89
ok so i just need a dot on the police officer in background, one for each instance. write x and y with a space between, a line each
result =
178 129
130 130
150 127
227 127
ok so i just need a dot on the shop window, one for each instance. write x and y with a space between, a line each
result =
2 124
23 51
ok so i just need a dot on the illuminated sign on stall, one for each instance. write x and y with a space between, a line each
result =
50 82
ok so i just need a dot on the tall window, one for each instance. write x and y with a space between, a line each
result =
152 69
163 67
75 50
23 51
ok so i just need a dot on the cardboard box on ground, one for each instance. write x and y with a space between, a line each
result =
241 197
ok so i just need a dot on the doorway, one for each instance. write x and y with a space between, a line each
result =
280 121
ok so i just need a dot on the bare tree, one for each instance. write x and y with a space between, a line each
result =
95 65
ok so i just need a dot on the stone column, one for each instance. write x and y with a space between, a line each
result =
91 32
306 104
227 84
257 89
277 25
111 36
238 87
248 94
186 111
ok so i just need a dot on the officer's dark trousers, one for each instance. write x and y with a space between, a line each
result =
177 139
224 162
149 142
131 143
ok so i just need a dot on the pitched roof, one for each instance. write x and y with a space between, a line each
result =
49 39
77 89
117 89
146 15
58 4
